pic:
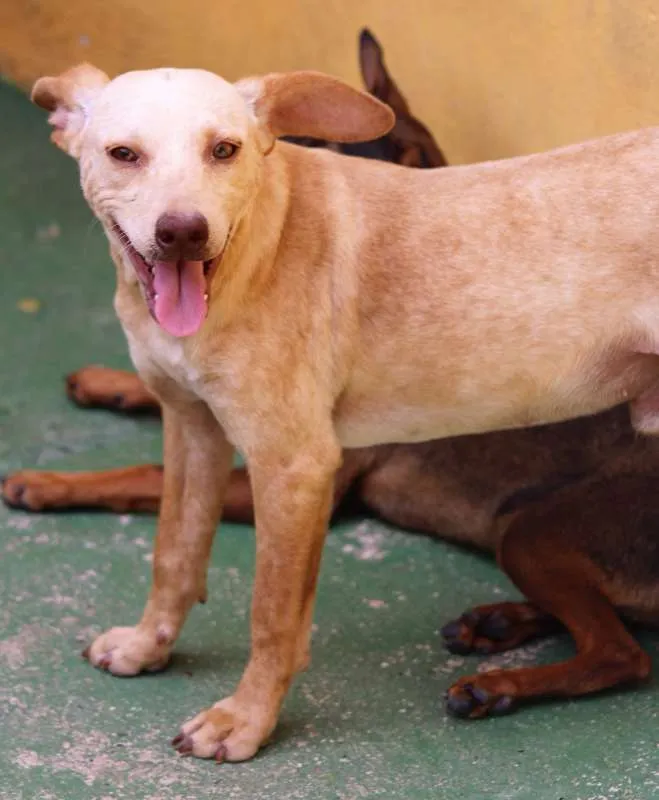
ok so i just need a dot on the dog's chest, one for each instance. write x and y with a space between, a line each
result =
155 352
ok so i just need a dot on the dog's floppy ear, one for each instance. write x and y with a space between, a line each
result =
417 145
314 105
68 97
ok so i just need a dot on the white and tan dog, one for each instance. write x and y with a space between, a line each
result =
289 302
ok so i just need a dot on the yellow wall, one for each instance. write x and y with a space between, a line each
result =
490 77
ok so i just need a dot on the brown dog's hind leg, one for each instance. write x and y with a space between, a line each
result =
539 555
100 387
496 628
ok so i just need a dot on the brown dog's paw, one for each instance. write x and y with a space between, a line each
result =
101 387
31 490
496 628
224 732
129 651
470 699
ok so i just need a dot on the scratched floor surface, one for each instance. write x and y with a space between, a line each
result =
366 721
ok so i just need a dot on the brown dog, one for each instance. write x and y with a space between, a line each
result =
290 302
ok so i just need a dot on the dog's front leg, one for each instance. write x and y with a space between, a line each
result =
292 499
198 462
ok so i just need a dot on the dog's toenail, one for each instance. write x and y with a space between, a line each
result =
457 647
176 741
184 747
221 754
503 705
451 630
459 706
478 694
118 400
496 626
105 661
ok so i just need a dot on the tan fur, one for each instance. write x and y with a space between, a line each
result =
352 303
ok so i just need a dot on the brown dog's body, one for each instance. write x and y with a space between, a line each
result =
569 509
356 303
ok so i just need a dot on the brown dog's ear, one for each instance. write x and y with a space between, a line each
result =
68 97
416 143
376 77
315 105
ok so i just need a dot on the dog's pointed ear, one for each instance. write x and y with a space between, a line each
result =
414 141
375 75
68 97
311 104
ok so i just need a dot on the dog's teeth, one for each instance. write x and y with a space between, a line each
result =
206 296
155 296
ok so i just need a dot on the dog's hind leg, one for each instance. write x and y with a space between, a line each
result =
496 628
545 552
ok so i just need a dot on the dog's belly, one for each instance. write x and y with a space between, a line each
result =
409 425
401 412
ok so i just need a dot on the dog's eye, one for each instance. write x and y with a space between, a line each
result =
123 154
224 150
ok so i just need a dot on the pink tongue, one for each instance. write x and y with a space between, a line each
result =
180 305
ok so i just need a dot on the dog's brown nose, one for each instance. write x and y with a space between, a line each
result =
181 235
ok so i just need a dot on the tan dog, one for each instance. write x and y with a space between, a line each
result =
287 302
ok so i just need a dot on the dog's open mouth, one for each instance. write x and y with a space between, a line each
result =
176 292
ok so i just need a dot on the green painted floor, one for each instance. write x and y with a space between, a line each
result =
366 721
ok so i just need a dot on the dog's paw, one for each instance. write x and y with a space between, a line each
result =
496 628
129 651
470 699
101 387
476 632
225 732
31 490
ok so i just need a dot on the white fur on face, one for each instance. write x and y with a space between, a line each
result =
172 119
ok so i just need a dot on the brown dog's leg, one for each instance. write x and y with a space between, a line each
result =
100 387
496 628
120 490
293 504
197 468
567 585
139 489
124 490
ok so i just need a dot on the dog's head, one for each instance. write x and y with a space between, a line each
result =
409 142
171 159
